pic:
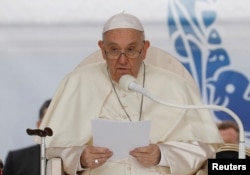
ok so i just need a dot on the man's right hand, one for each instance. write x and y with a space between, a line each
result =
93 157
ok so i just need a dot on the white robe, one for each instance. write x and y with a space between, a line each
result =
87 93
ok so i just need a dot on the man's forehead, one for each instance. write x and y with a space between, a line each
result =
114 44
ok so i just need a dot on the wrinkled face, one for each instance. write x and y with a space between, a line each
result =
120 41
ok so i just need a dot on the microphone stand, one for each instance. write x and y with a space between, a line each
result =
42 133
128 83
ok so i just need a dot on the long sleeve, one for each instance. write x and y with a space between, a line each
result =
185 157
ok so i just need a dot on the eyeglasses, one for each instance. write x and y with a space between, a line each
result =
116 54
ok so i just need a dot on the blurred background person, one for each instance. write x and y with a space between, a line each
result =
26 161
229 131
1 167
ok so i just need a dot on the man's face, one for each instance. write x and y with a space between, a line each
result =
229 135
123 40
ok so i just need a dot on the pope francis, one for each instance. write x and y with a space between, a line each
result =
181 140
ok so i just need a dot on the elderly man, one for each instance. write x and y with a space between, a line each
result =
180 140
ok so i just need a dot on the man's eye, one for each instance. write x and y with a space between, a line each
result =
114 49
130 49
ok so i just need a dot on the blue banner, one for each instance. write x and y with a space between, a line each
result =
198 31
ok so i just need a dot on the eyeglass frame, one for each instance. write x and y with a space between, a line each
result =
123 52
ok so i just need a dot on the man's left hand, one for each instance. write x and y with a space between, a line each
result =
148 155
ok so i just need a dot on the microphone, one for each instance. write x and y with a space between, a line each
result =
129 84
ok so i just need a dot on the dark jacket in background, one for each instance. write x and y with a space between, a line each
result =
24 161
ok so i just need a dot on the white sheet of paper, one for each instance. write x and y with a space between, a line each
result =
120 137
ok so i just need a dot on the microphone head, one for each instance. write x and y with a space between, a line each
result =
125 81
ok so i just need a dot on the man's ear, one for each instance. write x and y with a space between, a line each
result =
146 46
100 44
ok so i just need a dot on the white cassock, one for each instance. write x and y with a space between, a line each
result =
186 138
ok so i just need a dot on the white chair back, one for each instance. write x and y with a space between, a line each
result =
156 57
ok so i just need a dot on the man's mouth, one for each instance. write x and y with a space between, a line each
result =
122 69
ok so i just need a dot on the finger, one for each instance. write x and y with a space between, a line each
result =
98 159
147 156
98 162
102 156
144 161
97 150
141 149
146 149
91 153
138 152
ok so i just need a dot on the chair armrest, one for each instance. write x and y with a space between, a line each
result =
54 167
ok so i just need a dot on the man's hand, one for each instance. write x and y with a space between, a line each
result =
93 157
148 155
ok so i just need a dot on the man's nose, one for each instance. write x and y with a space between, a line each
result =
123 59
